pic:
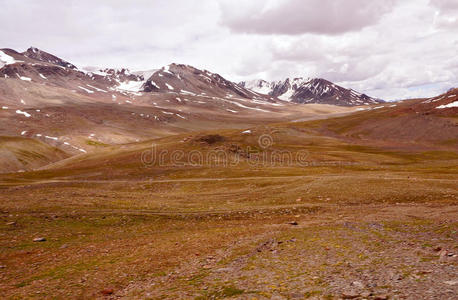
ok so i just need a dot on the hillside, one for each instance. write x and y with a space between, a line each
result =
24 154
432 121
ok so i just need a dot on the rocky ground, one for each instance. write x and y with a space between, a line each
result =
364 252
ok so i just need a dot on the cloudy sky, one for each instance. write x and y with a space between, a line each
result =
390 49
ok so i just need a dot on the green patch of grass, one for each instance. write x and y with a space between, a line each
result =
230 291
223 292
312 294
96 143
427 245
428 258
21 284
196 279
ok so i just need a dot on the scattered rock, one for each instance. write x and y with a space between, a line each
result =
381 297
39 239
210 139
437 249
294 223
271 244
2 267
107 292
11 223
64 246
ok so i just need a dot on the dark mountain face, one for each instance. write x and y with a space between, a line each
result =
315 90
37 54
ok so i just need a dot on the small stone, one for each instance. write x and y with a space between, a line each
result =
296 296
357 284
39 239
451 282
2 267
294 223
366 294
223 270
443 254
350 295
64 246
381 297
437 249
107 291
11 223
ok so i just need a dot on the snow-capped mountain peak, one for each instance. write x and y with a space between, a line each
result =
309 90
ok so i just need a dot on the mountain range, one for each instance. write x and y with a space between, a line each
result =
37 65
310 90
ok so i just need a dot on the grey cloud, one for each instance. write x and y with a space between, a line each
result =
447 15
445 5
295 17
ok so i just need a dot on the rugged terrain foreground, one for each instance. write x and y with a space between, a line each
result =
322 209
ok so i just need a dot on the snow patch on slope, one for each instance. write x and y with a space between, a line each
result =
20 112
5 59
450 105
86 90
130 86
